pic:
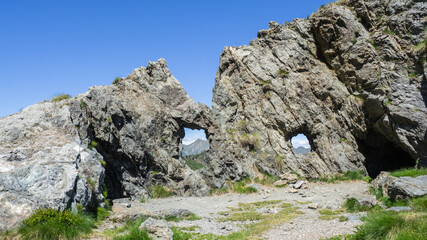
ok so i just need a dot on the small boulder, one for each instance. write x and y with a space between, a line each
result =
280 183
293 190
298 184
157 229
313 206
289 177
398 209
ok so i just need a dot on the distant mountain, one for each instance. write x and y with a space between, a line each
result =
196 147
301 149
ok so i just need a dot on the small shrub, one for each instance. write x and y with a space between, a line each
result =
353 205
117 80
83 105
103 163
163 139
249 141
60 97
52 224
159 191
283 73
91 183
267 179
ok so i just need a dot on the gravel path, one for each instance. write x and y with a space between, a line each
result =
309 200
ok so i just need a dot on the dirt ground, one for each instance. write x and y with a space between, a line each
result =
213 210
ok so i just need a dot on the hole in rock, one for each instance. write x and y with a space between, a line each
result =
301 144
194 148
383 155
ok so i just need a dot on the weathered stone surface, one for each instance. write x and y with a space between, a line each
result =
401 187
137 125
157 229
348 78
44 164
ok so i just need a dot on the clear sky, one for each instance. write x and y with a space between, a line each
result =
53 47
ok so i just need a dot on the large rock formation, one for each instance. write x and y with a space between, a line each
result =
137 124
44 164
352 78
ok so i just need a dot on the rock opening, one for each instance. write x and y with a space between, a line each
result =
383 155
300 144
194 147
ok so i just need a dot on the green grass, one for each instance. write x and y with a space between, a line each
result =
218 191
243 216
267 179
240 186
117 80
52 224
346 176
189 217
101 214
195 162
129 231
159 191
353 205
390 225
60 97
409 172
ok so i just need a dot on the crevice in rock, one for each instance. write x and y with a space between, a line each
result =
383 155
118 163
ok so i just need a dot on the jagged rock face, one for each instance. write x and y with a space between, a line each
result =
276 88
371 45
357 93
137 124
44 164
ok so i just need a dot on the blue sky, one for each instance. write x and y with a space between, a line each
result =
53 47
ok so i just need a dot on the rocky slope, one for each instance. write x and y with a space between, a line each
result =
195 147
352 78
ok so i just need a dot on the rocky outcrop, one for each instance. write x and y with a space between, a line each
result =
351 78
377 49
44 164
137 124
400 188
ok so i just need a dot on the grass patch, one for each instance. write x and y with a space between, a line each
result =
327 214
60 97
189 217
195 162
353 205
218 191
346 176
117 80
131 230
101 214
283 73
243 216
330 212
409 172
240 186
267 179
159 191
52 224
